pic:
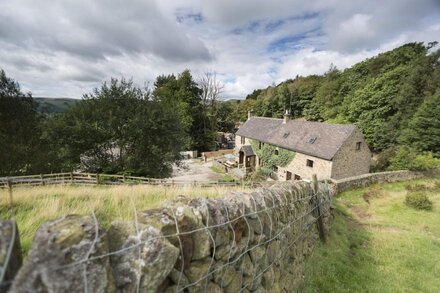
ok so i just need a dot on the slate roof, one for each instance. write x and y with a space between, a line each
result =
317 139
247 150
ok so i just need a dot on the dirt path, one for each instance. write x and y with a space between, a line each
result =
195 170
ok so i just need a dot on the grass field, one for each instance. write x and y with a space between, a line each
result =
35 205
380 246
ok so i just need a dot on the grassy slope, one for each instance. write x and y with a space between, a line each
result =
383 246
35 205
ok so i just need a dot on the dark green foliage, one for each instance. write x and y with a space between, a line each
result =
261 174
394 98
118 128
19 131
418 200
182 94
225 116
409 159
423 132
254 95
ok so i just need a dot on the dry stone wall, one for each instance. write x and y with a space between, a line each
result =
244 242
372 178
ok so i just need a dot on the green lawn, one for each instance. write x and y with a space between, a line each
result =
380 246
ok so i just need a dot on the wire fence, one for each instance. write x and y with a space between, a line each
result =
273 224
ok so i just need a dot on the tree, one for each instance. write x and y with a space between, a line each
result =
423 132
184 96
19 131
210 90
117 128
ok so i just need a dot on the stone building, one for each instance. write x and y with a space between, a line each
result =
329 150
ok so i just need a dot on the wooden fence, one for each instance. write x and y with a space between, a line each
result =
111 179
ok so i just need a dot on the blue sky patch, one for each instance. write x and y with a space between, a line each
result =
192 17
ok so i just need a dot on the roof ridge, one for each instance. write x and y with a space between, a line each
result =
266 118
305 121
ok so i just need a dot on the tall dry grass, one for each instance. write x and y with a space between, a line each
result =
35 205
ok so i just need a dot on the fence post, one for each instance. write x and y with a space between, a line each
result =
71 177
9 182
123 178
318 208
42 179
97 179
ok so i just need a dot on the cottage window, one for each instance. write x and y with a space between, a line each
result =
309 163
243 140
358 146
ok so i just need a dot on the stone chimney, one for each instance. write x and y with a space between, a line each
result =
286 117
250 114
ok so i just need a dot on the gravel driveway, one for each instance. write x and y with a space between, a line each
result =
195 169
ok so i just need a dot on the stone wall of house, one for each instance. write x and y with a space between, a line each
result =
349 161
238 143
371 178
299 167
244 242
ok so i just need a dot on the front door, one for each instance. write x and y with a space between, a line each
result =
240 157
288 175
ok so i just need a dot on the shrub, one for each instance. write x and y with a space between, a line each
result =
418 200
417 187
407 158
261 174
374 192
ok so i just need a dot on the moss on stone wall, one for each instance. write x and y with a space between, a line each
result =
272 156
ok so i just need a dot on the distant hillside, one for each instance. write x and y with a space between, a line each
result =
54 105
392 97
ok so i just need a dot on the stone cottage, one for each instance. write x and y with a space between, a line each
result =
329 150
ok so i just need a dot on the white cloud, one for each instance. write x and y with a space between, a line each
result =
66 48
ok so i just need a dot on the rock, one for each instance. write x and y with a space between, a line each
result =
277 289
246 266
56 261
226 252
223 275
256 225
257 254
146 260
10 253
274 252
235 285
178 278
198 270
222 236
268 279
204 287
201 245
195 245
260 290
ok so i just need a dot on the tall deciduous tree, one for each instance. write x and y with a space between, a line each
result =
19 131
183 95
118 128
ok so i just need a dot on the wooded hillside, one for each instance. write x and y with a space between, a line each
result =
393 97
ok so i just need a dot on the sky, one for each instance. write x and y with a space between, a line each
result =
65 48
